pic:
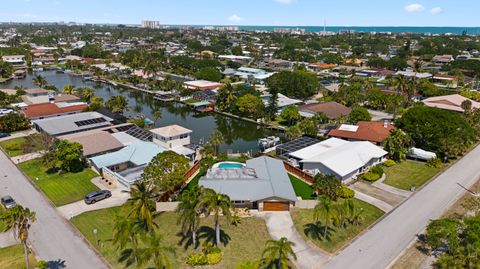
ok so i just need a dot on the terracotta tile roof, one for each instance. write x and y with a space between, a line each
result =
333 110
49 109
372 131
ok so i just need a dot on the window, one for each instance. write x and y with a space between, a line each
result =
183 136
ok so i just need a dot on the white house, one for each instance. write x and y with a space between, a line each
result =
176 138
338 157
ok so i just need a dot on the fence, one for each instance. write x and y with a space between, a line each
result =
298 172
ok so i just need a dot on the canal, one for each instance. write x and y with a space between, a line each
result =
240 136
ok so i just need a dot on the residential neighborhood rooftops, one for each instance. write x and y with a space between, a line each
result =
171 130
451 102
68 124
36 91
372 131
332 110
94 142
50 109
271 181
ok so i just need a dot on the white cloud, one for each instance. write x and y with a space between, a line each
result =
436 10
414 8
284 1
235 18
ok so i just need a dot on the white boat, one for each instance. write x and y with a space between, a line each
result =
268 142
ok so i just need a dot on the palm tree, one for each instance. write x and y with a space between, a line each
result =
127 232
68 89
40 81
230 96
325 212
19 220
216 139
157 115
216 203
88 94
188 216
141 205
117 103
404 86
277 253
155 252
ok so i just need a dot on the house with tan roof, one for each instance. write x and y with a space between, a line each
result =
371 131
451 102
332 110
94 142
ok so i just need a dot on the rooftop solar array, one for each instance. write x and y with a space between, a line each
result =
140 133
90 121
284 149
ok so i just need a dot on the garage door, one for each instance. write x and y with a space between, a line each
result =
276 206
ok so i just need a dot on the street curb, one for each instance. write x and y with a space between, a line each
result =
69 224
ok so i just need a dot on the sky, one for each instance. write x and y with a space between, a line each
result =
248 12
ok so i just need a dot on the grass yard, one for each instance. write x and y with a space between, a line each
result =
61 189
409 173
247 240
338 237
12 257
301 188
15 146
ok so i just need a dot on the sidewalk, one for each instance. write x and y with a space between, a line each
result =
27 157
373 201
19 134
280 224
379 184
7 239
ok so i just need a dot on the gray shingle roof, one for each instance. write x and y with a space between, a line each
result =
66 124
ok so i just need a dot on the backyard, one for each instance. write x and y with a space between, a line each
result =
408 173
61 189
16 146
339 237
12 257
245 241
301 188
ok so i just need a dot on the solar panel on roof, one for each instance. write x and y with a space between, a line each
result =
90 121
285 149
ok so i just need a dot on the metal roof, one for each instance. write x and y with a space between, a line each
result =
271 181
67 123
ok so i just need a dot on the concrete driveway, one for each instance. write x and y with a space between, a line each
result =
280 224
19 134
71 210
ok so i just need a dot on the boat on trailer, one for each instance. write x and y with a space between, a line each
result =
268 142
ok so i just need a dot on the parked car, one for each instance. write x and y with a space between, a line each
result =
8 202
96 196
2 135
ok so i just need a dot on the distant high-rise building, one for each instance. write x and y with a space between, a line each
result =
150 24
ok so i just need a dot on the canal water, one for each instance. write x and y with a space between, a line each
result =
240 136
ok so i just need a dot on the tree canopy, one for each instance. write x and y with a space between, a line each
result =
166 170
298 84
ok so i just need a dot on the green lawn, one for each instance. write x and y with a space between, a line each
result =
15 146
60 188
301 188
247 240
339 237
409 173
191 101
12 257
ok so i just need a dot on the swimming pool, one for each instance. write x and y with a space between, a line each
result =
230 165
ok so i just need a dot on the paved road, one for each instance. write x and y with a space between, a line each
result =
51 236
381 245
280 224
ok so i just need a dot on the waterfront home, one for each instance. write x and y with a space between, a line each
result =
176 138
94 142
69 124
48 110
254 75
261 183
338 157
16 61
332 110
451 102
202 85
371 131
283 101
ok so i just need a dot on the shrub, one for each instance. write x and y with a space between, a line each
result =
41 264
377 170
197 259
371 177
389 163
346 193
214 258
435 163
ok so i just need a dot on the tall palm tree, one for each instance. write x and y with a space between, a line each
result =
141 205
68 89
156 252
40 81
216 203
157 115
88 94
127 232
188 216
404 85
325 212
230 96
277 253
19 220
216 139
